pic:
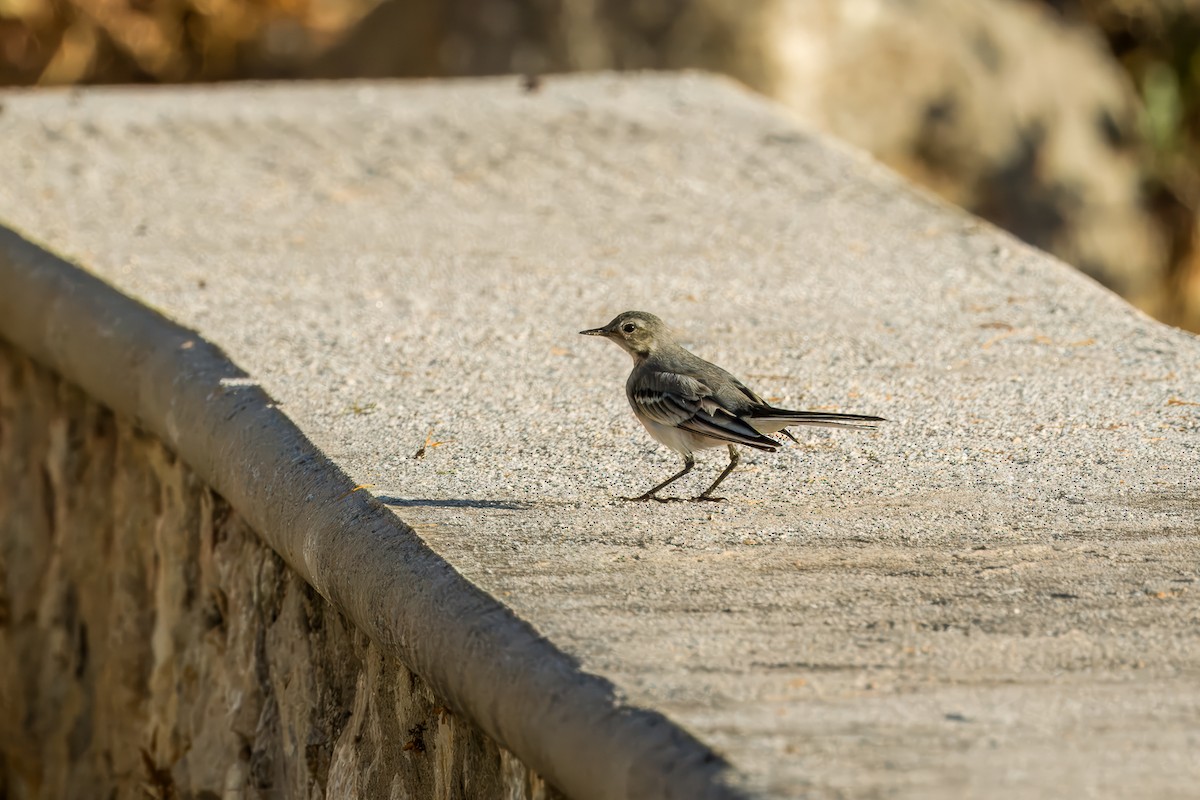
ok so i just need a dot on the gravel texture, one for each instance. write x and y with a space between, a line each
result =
995 594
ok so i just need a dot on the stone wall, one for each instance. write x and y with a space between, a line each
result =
152 646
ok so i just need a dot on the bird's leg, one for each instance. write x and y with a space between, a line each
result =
734 458
688 463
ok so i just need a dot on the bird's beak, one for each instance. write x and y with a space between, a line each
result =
595 332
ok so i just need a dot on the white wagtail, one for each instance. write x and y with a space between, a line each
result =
689 404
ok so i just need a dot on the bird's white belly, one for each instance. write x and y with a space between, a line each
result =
678 439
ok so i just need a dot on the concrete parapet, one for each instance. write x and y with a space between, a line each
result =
379 285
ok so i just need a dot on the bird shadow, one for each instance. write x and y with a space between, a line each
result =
453 502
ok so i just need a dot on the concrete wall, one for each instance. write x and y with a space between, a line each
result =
152 646
294 287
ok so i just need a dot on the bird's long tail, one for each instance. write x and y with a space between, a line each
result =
772 420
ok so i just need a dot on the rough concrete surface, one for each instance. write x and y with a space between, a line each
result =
152 646
995 594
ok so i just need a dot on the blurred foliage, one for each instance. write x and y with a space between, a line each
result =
1158 44
55 42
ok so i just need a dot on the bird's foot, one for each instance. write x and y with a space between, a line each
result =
708 498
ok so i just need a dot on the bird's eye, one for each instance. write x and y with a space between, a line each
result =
629 327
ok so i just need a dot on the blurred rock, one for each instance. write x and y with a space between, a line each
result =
998 106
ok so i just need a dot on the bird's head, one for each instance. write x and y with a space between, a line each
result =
637 332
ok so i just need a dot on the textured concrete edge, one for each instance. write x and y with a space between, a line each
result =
474 652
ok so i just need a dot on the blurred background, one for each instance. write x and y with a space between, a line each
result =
1075 124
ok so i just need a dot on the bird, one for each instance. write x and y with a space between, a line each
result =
689 404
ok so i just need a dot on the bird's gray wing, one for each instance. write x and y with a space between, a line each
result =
681 401
750 394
